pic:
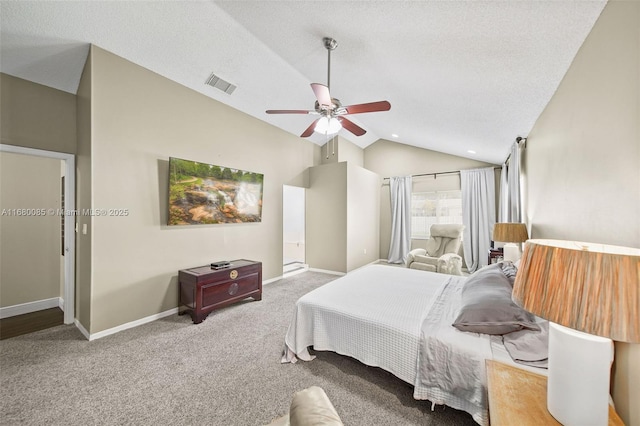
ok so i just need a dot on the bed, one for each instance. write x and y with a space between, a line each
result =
401 320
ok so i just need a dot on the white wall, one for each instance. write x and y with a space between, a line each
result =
293 224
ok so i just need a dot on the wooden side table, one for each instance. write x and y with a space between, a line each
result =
495 255
519 397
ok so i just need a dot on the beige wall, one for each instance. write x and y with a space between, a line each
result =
342 217
83 196
363 217
30 241
388 158
350 152
36 116
138 120
582 162
326 217
33 116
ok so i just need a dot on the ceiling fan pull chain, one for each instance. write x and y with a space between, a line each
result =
326 135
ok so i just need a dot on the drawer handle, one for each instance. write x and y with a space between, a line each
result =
233 274
233 289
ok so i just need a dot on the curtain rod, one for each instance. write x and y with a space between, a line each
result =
441 173
518 139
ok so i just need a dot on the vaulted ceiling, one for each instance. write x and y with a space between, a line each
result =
461 76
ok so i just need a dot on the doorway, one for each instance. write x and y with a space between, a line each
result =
293 229
64 239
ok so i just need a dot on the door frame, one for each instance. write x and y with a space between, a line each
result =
69 221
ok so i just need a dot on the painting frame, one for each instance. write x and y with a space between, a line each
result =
208 194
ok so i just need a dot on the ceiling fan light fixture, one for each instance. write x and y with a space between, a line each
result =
332 113
328 126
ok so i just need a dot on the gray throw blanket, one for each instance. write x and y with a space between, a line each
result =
529 347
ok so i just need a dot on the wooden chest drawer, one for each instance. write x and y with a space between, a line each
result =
214 293
204 289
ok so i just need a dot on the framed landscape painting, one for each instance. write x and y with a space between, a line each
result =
201 193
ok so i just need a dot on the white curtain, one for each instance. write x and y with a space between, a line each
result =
515 215
478 215
400 219
504 209
510 198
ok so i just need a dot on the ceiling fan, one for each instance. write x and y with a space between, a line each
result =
330 109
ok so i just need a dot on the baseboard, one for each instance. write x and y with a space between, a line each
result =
141 321
173 311
272 280
83 330
325 271
300 270
27 308
131 324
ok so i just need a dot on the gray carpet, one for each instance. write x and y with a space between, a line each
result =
224 371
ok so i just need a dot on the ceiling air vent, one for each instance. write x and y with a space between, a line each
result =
220 84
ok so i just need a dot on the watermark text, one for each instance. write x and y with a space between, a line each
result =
65 212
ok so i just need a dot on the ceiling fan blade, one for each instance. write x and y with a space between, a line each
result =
288 111
310 129
351 126
322 94
370 107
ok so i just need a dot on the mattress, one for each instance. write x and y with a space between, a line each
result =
373 314
400 319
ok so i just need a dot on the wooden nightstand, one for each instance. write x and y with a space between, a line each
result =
519 397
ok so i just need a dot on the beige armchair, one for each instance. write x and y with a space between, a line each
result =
441 254
310 406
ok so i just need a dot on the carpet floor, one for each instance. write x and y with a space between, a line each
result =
224 371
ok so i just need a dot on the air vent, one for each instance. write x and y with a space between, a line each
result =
220 84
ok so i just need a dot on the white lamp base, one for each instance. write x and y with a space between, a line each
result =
512 252
579 371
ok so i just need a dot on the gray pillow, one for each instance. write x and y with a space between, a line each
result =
487 306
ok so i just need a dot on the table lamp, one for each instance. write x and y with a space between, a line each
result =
512 234
590 293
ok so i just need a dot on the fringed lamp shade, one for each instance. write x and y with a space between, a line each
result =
593 288
510 232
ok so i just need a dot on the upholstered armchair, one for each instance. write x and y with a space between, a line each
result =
310 407
441 254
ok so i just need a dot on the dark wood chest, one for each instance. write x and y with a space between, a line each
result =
204 289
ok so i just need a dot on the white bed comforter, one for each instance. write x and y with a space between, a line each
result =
400 320
373 314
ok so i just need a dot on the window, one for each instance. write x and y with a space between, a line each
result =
439 207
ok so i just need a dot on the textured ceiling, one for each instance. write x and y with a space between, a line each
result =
460 75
